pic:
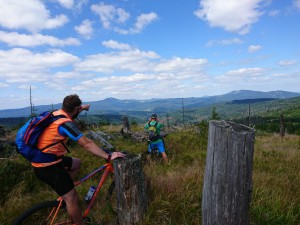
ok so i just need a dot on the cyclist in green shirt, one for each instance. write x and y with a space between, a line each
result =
153 126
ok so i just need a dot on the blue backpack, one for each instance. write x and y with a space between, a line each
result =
27 138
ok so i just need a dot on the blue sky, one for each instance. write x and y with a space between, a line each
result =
142 49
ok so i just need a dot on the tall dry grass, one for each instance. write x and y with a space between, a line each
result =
276 181
176 189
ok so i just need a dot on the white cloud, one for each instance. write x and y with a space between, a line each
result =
232 15
142 21
31 15
224 42
110 15
3 85
287 62
114 18
254 48
246 71
297 4
21 65
116 45
132 60
33 40
85 29
180 64
120 86
137 70
66 3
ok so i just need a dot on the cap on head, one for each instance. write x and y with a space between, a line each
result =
153 116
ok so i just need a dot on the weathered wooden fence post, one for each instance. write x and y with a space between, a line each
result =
228 174
132 198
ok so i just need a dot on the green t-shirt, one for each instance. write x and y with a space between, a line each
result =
159 126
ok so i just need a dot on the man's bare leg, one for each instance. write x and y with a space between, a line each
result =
165 157
72 204
76 163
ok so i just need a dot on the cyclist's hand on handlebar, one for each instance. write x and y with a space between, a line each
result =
115 155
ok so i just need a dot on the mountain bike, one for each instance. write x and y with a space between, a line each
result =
55 213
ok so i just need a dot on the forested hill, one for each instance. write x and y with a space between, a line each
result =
112 106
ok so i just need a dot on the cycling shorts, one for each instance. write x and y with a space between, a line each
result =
57 176
160 146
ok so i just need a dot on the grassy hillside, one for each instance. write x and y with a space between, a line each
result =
176 189
263 115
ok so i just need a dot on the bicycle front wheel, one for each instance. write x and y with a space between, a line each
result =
43 214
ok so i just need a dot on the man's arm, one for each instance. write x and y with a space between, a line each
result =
92 147
69 129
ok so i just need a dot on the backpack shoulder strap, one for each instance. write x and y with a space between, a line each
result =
150 125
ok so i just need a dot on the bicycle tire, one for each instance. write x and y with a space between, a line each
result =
39 214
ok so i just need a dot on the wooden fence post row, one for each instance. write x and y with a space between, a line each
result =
132 198
228 174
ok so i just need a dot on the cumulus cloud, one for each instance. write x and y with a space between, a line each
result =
33 40
66 3
132 60
180 64
114 18
138 70
232 15
109 15
141 22
254 48
116 45
31 15
287 62
85 29
247 71
21 65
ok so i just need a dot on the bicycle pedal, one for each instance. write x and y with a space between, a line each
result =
87 221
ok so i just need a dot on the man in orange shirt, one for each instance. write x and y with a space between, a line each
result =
59 174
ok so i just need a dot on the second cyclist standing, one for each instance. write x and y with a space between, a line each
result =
155 140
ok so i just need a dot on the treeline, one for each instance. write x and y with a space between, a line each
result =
13 122
271 124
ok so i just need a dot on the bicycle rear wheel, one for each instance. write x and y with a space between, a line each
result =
43 213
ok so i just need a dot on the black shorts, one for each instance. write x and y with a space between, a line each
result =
57 176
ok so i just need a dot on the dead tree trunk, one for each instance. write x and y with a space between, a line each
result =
282 126
228 174
97 136
126 126
132 198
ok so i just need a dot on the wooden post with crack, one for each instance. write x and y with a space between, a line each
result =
228 174
132 197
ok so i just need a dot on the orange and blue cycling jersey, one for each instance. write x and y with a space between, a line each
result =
56 135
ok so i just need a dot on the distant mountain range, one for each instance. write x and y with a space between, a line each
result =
113 106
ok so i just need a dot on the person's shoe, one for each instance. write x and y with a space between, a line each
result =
87 220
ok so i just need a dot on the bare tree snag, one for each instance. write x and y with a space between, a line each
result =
282 126
228 174
132 198
126 126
